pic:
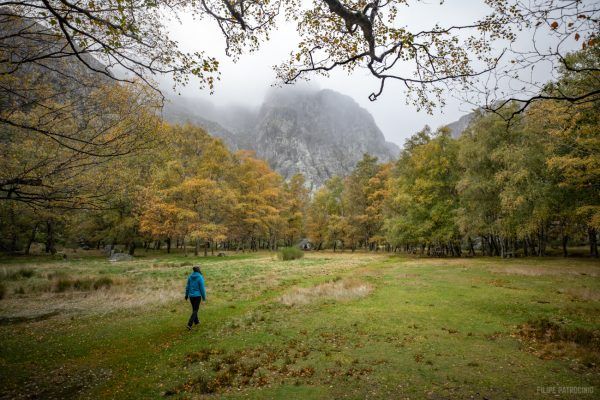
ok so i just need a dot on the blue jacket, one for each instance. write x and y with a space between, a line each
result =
195 286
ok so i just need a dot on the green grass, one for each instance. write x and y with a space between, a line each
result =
429 328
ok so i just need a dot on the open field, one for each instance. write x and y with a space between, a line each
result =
326 326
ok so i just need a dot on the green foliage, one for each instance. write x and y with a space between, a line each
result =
289 253
423 199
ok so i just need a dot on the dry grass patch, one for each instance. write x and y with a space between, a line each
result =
95 301
526 270
581 294
346 289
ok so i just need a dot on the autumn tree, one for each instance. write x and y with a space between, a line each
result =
295 208
476 56
189 196
377 191
361 226
318 218
43 171
259 205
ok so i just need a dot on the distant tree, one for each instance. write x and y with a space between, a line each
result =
318 218
259 202
573 140
423 195
356 197
189 196
295 209
377 191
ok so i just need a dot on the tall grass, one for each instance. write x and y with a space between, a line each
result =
21 273
82 284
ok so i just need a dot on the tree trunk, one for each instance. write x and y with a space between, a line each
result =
132 247
565 242
541 241
593 242
196 247
50 247
168 245
205 249
31 239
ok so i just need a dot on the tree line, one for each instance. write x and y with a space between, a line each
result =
187 191
513 183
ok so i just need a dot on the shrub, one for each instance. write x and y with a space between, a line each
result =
20 290
104 282
290 253
26 272
2 291
82 284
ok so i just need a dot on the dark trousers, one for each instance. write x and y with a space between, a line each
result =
195 306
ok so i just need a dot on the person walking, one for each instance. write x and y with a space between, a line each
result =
194 290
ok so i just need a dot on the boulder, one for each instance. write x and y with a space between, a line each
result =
120 257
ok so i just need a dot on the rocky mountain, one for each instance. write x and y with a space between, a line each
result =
317 133
182 111
458 127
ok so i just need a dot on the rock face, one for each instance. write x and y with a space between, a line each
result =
183 111
317 133
458 127
117 257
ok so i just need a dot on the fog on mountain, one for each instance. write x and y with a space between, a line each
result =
318 133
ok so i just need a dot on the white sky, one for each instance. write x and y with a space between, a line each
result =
246 81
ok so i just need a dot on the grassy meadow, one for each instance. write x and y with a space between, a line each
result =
329 325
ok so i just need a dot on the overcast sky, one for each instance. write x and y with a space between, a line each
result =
247 80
